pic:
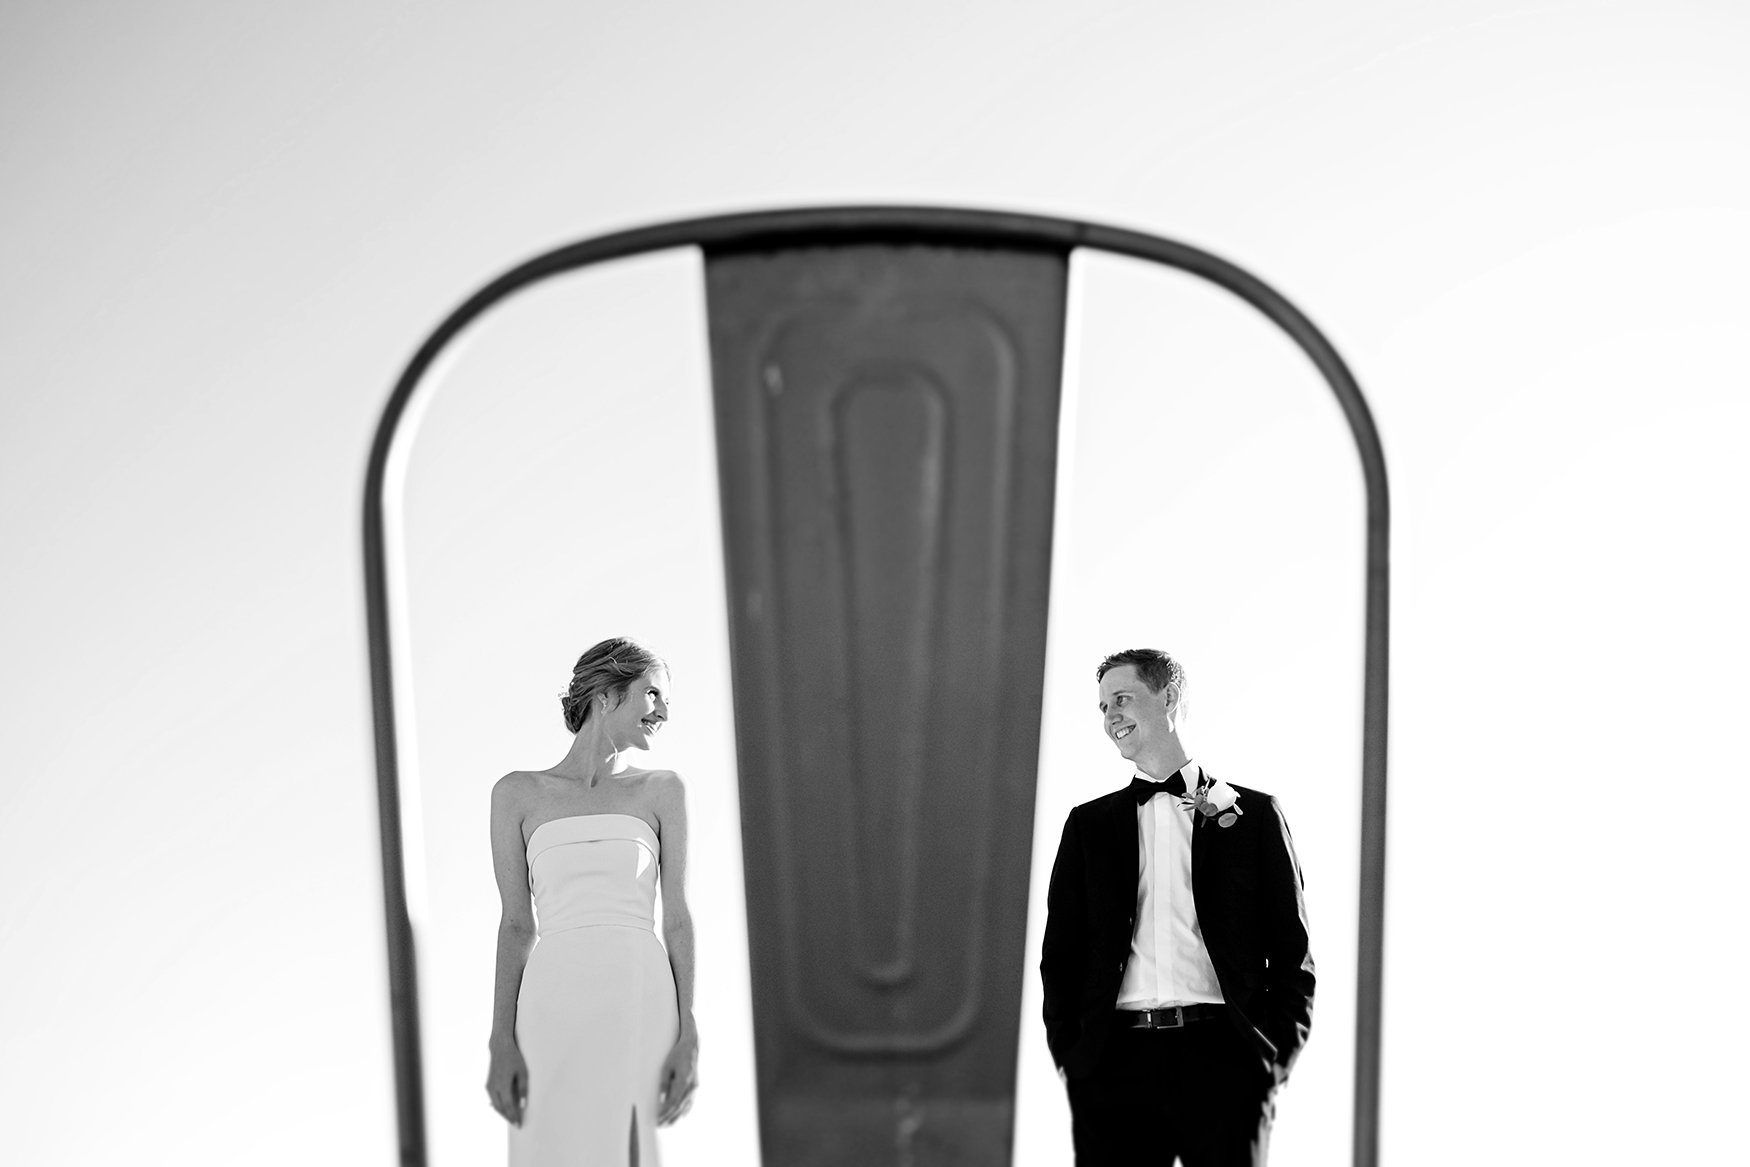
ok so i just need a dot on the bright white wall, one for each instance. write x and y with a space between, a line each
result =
224 228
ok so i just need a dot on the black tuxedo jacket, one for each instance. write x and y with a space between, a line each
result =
1251 907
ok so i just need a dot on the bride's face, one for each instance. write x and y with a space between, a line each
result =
641 713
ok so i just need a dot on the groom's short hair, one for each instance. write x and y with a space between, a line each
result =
1156 668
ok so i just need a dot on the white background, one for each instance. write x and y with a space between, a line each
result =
223 229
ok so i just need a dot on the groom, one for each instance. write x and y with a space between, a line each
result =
1178 985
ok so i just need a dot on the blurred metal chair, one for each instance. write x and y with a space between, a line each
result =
886 383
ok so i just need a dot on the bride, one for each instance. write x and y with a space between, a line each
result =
593 1043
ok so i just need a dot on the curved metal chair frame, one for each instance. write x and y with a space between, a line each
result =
841 226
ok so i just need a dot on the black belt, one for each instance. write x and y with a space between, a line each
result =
1172 1017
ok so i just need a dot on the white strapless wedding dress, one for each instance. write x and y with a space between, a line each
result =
596 1015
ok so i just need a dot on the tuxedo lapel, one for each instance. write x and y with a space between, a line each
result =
1124 848
1210 858
1200 860
1205 859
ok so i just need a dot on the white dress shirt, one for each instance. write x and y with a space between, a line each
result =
1169 963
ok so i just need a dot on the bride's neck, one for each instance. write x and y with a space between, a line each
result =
592 756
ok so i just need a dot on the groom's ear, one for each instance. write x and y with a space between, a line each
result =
1173 695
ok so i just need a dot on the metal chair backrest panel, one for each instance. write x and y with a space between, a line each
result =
887 420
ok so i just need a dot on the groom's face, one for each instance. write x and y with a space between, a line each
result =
1135 718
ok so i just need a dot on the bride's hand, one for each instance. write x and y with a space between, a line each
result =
680 1074
507 1082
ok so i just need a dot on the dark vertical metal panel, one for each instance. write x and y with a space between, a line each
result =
887 424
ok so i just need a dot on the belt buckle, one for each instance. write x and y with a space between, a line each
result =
1178 1021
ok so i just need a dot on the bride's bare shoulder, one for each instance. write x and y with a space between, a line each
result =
651 779
667 794
516 788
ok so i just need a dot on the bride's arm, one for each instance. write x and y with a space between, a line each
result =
680 1072
507 1078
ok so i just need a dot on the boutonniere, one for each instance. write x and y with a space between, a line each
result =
1218 801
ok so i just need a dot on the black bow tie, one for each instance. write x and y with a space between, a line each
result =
1143 790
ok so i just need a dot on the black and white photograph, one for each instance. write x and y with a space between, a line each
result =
907 585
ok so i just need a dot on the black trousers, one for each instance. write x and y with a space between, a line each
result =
1200 1094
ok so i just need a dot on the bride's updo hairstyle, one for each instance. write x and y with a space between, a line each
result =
609 667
